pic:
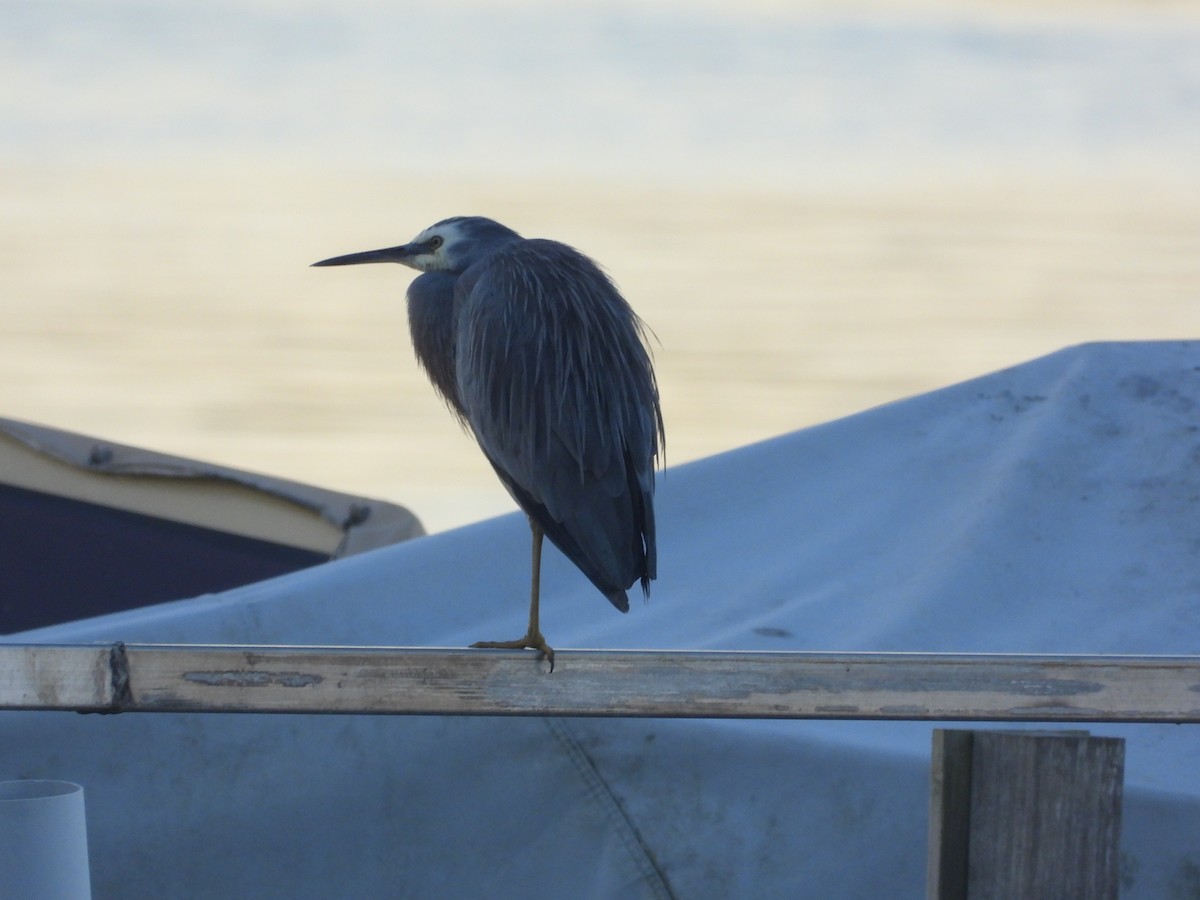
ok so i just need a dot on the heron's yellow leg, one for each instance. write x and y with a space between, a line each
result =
533 639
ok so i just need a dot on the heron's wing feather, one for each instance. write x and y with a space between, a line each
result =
559 389
582 540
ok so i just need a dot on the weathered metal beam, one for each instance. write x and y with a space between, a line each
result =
696 684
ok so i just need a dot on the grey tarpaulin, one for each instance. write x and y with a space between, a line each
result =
1052 508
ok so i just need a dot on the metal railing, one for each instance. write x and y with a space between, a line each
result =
697 684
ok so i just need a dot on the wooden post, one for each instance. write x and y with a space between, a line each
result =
949 814
1017 814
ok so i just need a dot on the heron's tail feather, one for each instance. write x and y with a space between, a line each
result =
619 599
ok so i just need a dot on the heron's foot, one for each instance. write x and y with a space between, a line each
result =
533 641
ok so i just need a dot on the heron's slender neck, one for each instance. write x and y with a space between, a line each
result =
432 324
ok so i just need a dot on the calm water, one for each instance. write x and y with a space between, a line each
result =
815 212
757 92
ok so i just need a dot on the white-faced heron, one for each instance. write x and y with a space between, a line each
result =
540 356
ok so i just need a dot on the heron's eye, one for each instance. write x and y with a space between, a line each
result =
435 242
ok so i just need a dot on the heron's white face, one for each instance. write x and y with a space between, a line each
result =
436 244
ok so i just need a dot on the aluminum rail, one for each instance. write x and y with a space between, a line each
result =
693 684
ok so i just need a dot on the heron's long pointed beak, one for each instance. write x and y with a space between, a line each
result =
401 254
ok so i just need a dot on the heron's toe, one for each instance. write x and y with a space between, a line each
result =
528 642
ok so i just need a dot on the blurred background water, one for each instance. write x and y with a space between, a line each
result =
817 207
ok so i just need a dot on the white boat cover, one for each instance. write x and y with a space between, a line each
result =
1049 508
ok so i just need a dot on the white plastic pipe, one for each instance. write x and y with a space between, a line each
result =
43 841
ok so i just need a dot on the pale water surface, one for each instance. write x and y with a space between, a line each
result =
815 211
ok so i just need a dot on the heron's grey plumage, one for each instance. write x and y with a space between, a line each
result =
540 356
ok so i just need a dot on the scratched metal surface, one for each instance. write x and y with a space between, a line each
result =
689 684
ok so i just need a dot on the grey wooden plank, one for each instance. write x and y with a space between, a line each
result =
949 814
930 687
1045 816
